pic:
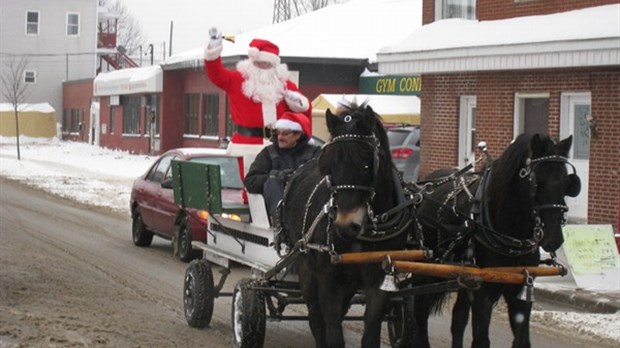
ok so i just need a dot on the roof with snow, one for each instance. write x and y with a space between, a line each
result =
585 37
44 108
129 81
354 30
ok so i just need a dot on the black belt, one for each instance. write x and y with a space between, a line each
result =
258 132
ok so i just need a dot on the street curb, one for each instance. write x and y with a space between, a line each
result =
582 299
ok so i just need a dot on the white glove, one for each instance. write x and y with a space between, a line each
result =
215 47
293 97
215 38
296 101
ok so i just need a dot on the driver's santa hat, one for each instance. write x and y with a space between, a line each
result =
296 122
264 51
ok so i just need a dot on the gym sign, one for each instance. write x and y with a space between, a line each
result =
400 85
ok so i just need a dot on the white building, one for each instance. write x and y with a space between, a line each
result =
57 38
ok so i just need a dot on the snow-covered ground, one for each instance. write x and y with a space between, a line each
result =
85 173
103 178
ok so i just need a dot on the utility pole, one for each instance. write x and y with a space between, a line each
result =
151 51
170 41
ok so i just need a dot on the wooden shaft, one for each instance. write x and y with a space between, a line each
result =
532 270
378 256
455 271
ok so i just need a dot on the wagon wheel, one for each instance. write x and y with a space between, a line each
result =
248 315
198 293
401 323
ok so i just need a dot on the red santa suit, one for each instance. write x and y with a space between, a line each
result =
258 96
252 112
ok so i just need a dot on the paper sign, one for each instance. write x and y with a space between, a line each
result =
592 255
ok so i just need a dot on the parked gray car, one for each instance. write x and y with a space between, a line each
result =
405 148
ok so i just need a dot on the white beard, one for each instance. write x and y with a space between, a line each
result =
265 86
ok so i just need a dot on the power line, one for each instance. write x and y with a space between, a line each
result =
47 54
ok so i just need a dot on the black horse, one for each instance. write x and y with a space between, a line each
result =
498 218
341 203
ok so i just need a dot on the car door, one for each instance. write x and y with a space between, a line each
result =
149 192
166 210
163 209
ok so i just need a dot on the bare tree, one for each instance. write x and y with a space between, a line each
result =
287 9
129 33
306 6
14 89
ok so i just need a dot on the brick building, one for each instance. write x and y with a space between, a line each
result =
510 67
190 111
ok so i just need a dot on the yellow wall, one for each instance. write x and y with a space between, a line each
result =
32 124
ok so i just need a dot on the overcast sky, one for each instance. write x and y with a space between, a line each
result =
193 18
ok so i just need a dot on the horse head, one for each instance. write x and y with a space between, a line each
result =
549 181
352 161
527 189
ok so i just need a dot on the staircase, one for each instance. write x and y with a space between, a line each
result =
119 60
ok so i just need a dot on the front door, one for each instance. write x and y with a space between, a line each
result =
467 131
93 130
575 120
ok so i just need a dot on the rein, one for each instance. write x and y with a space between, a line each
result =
486 233
380 227
499 242
510 246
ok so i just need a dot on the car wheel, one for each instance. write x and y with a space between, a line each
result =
186 251
198 294
141 236
248 315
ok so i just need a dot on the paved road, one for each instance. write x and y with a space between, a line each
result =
71 276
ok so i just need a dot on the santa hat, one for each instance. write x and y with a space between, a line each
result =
264 51
296 122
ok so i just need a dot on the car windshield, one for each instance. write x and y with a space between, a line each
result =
229 170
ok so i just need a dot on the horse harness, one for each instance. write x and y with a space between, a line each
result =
383 226
480 216
397 219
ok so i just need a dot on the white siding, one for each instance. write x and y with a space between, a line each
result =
55 56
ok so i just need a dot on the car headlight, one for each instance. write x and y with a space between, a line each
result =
204 215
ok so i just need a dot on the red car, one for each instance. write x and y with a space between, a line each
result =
154 211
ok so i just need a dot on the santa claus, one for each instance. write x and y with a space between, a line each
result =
259 91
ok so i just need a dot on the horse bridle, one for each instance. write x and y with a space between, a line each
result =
515 247
370 140
527 173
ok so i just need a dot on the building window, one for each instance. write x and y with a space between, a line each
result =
112 123
191 113
73 24
65 120
32 23
230 126
131 114
210 114
445 9
30 76
531 114
581 126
